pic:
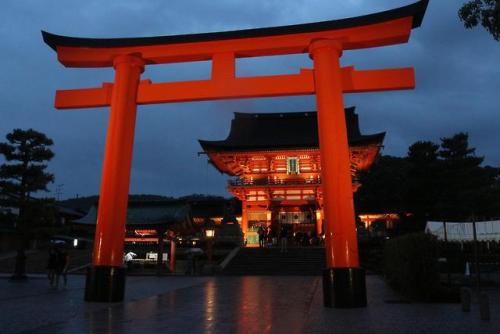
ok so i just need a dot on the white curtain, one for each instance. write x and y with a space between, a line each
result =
455 231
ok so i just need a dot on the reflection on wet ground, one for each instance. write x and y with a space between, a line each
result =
220 305
232 305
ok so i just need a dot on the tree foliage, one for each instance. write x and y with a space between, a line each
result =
423 178
434 181
25 152
464 179
484 12
24 173
382 186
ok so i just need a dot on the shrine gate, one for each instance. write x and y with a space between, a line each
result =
344 280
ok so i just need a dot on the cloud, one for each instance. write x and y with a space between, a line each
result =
457 84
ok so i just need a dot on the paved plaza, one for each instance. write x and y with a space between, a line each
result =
227 305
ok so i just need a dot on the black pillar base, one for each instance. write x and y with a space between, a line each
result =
344 287
105 284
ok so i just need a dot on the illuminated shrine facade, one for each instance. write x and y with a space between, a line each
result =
275 160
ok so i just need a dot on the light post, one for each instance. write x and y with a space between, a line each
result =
209 236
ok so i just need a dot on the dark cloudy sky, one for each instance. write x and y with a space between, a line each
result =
458 84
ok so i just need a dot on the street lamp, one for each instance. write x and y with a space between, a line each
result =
209 236
209 233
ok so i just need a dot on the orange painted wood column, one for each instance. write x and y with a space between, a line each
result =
340 229
172 254
244 219
343 280
319 223
113 199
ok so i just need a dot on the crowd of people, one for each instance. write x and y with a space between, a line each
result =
269 237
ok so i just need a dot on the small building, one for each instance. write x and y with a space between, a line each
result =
42 212
388 220
275 161
7 208
149 221
146 220
217 209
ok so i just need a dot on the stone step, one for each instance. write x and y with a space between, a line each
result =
270 261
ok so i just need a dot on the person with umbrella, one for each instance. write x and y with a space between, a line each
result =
51 265
192 253
61 264
128 259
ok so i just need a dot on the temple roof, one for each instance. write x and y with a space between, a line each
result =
415 10
147 214
284 131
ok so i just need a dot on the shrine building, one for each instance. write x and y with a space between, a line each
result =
275 161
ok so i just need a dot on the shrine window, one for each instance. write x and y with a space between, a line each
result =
292 165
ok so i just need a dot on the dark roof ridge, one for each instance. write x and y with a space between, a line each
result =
274 115
284 130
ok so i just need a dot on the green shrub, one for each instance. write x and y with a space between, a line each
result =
410 266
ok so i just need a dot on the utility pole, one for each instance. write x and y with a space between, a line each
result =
59 191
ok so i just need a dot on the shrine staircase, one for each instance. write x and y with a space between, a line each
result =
307 261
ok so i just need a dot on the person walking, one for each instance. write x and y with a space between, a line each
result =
51 266
267 237
284 239
128 259
274 237
261 233
62 262
190 264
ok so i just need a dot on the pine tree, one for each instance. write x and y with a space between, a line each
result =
464 179
423 179
23 174
383 186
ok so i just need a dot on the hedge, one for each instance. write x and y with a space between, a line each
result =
411 267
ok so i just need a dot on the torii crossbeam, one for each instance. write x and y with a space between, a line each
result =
344 280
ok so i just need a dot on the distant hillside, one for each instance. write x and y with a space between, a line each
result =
196 197
83 204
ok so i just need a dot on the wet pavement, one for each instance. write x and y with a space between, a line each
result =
227 305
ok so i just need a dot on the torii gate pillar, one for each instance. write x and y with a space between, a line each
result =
343 280
106 278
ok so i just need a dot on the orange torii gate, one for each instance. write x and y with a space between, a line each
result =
343 280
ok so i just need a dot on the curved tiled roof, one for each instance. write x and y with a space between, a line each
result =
283 130
146 214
